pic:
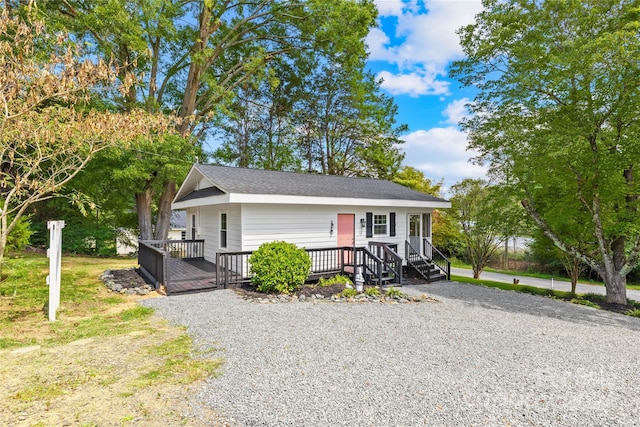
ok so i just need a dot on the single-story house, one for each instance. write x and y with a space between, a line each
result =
346 224
238 209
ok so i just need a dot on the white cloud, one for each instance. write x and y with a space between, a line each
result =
429 40
377 41
413 84
456 111
394 7
441 153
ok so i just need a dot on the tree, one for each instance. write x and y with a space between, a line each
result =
348 126
477 211
447 235
543 250
44 140
413 178
558 112
194 54
317 110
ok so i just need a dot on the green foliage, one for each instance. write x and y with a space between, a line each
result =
20 236
596 298
338 279
372 292
279 267
413 178
477 210
585 302
447 235
137 312
633 313
348 293
80 236
556 118
393 292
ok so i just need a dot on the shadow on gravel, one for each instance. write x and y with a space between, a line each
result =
516 302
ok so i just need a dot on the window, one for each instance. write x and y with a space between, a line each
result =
379 224
426 225
193 227
223 230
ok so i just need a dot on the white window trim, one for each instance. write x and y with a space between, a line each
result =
386 224
220 230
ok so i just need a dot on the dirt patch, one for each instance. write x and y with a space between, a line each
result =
97 381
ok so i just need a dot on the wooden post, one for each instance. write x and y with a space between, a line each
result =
54 253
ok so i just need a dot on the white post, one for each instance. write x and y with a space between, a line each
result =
54 253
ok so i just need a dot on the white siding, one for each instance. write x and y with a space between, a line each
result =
250 225
203 183
208 227
310 226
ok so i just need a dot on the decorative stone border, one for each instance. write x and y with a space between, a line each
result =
108 278
317 298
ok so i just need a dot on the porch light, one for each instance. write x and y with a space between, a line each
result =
331 228
363 222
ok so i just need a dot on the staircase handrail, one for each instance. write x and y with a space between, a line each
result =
397 263
438 258
379 263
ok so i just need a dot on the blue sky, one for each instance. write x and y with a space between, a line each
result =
411 50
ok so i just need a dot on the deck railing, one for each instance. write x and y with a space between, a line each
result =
233 268
380 260
154 257
154 263
186 249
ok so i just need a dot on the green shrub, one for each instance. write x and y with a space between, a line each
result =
338 279
593 297
372 292
348 293
633 313
393 292
20 236
279 267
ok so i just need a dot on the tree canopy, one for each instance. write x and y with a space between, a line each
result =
47 132
196 57
557 117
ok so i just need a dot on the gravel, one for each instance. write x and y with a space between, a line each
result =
478 357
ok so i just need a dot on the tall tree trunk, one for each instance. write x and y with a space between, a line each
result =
616 285
575 273
143 208
163 221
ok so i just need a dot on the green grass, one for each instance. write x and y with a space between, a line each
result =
24 297
167 357
589 299
177 362
460 264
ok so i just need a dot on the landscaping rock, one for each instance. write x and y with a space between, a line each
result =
126 282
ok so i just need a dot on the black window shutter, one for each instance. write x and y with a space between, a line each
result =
369 224
392 224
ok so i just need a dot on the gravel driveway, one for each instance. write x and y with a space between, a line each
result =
478 357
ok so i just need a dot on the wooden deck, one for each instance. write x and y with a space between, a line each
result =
191 275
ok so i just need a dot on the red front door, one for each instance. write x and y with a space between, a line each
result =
347 234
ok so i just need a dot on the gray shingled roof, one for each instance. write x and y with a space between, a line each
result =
255 181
